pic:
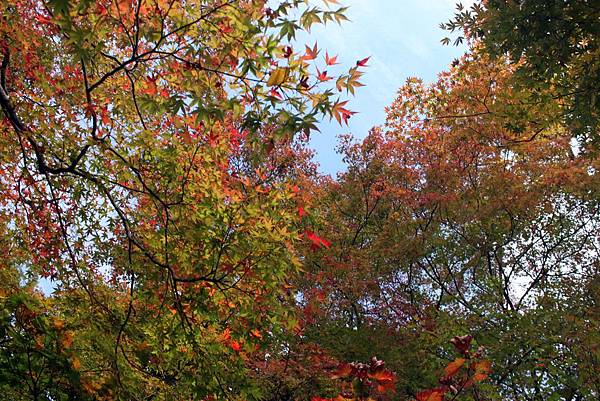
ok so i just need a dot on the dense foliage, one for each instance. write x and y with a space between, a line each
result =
556 45
148 158
166 236
448 222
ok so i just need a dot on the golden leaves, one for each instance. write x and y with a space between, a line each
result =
278 76
75 363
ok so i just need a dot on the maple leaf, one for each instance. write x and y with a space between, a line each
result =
341 83
453 367
311 54
482 370
75 363
278 76
462 343
104 115
322 76
381 375
330 60
226 335
431 395
236 346
304 82
353 80
275 93
340 113
316 241
66 340
150 89
287 51
58 323
44 20
342 371
363 62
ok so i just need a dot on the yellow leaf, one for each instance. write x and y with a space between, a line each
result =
58 323
278 76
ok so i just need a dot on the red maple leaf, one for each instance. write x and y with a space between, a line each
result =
316 241
363 62
453 367
322 76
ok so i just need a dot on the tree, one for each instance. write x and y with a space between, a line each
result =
556 47
148 154
470 213
155 176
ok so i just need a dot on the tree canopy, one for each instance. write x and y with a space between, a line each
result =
167 236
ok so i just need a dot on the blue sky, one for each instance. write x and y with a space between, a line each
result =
403 39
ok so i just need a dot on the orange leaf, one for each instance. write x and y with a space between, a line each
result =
58 323
322 76
436 394
67 339
75 363
340 113
150 87
381 375
311 54
44 20
236 346
330 60
226 335
454 367
482 370
342 371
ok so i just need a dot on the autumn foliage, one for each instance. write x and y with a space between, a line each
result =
166 235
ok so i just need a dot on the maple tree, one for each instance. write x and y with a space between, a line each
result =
471 211
166 235
146 176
